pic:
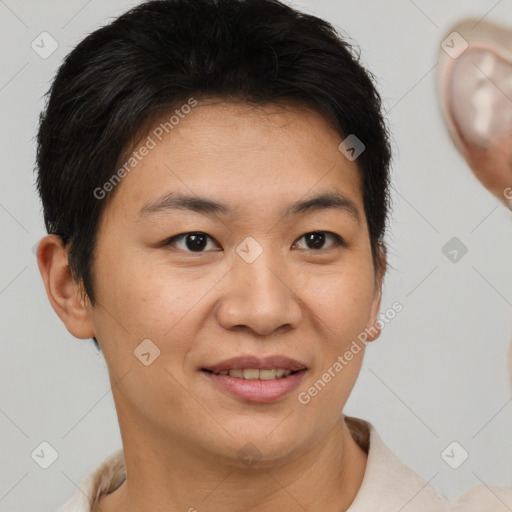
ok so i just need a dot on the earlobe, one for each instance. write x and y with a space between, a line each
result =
63 292
374 329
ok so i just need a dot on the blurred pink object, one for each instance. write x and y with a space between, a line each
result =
475 92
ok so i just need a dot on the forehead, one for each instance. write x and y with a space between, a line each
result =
247 156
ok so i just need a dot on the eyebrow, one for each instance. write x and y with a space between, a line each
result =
178 201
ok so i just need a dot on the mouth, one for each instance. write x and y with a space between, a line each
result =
251 367
255 373
255 379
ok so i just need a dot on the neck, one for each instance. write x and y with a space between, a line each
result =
327 477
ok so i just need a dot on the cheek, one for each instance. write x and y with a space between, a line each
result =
147 299
143 303
339 362
342 302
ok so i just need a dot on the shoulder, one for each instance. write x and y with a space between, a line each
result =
483 498
389 484
104 478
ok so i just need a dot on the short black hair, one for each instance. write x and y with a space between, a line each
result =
158 55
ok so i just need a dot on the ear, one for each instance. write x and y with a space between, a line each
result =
65 295
374 327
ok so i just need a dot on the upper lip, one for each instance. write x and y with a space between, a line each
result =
260 363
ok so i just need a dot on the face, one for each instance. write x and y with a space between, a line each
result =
255 275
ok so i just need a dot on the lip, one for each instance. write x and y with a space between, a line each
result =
263 391
261 363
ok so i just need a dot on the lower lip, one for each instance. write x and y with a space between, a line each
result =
257 390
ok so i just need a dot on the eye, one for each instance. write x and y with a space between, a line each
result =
191 242
197 241
316 239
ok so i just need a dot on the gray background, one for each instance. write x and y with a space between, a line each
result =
437 373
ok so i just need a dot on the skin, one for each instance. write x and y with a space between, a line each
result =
181 435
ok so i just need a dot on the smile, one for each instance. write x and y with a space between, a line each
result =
255 374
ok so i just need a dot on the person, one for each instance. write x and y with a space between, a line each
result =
214 177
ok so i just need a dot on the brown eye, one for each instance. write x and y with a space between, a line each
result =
315 240
191 242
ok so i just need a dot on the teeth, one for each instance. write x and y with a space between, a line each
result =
255 374
251 374
266 374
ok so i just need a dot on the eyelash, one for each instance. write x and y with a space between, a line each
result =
338 240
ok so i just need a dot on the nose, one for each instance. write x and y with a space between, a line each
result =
259 297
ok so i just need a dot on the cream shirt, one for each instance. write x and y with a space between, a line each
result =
388 484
